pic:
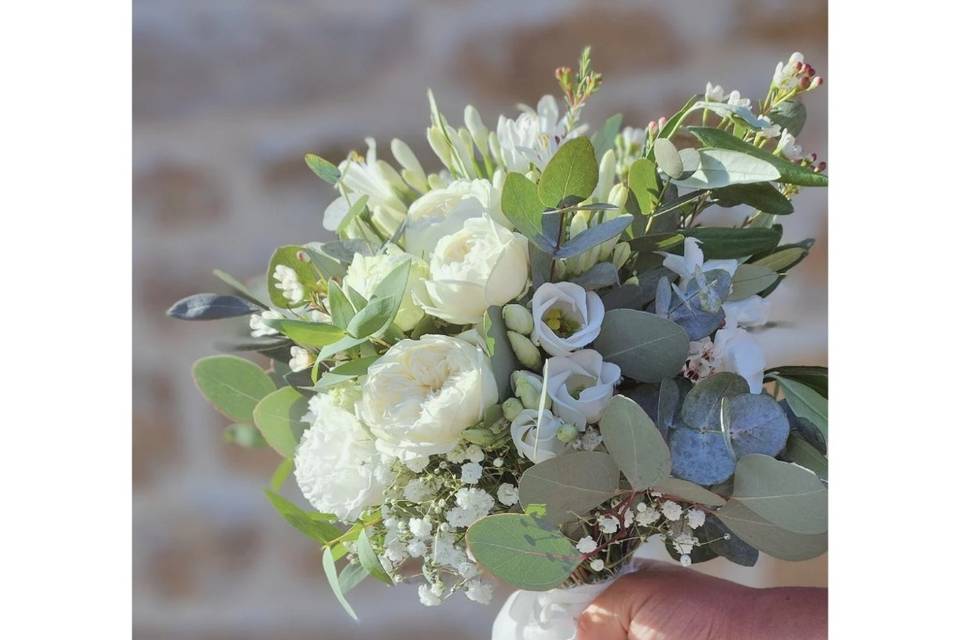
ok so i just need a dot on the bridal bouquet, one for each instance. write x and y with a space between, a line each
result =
536 359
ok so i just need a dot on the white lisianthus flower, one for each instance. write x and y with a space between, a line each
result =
534 136
443 211
337 465
421 394
686 265
736 351
566 317
480 265
366 272
581 386
372 178
536 444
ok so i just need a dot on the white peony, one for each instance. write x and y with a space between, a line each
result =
443 211
337 465
421 394
480 265
581 386
366 272
534 136
566 317
536 444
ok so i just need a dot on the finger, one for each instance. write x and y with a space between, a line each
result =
610 613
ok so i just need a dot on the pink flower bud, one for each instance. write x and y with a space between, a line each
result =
822 166
652 126
805 82
662 122
816 82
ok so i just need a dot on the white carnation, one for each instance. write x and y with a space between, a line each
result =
337 465
480 265
366 272
421 394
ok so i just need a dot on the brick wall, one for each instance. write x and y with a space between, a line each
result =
228 95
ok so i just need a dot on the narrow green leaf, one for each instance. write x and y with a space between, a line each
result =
317 526
325 170
723 167
790 173
341 311
750 279
801 452
330 570
498 348
239 288
378 313
782 259
369 559
604 138
644 184
571 172
244 435
280 474
355 210
593 236
804 401
232 385
734 242
279 417
762 196
307 334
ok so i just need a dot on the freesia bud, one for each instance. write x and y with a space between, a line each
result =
662 122
805 82
652 126
621 253
567 433
480 435
816 82
512 408
476 127
518 319
618 195
528 387
528 355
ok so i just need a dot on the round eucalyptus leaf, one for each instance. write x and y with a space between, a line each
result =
701 407
279 416
727 544
690 159
754 423
570 485
784 494
701 457
232 385
668 158
516 549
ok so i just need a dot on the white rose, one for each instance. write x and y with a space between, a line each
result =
536 444
736 351
480 265
441 212
337 465
581 386
366 272
566 317
421 394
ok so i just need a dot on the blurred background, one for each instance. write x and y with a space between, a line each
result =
227 97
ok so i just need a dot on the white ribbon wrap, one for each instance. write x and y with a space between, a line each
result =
544 615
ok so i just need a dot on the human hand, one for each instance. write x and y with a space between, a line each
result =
666 602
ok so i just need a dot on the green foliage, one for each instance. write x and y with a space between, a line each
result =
594 236
751 279
330 570
239 288
769 538
604 138
790 114
786 495
572 173
801 452
668 158
244 435
762 196
701 408
644 184
307 334
733 242
279 416
812 376
315 525
646 347
516 549
498 348
232 385
790 173
324 169
341 311
689 492
521 204
369 559
289 256
571 484
635 443
804 401
211 306
723 167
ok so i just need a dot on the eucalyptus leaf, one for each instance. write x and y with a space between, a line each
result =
801 452
635 443
688 492
701 407
702 457
784 494
726 543
343 344
520 203
571 172
643 182
570 485
656 242
516 549
751 279
782 259
754 423
790 173
645 347
289 256
352 574
232 385
769 538
604 138
594 236
723 167
211 306
341 311
668 403
279 416
307 334
355 210
789 114
599 276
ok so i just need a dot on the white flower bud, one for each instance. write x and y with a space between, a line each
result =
440 146
476 127
608 171
412 170
621 253
518 319
528 355
618 195
567 433
528 386
512 408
